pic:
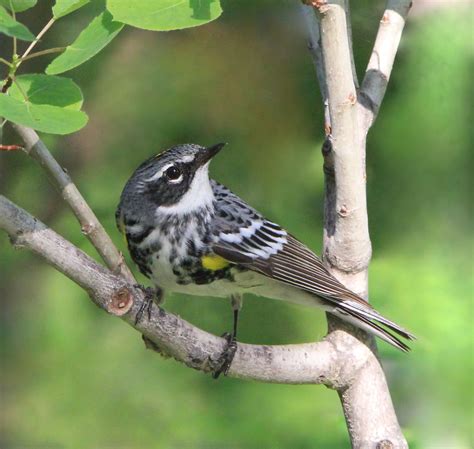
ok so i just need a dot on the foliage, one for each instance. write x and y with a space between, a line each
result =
64 7
92 40
10 27
67 367
50 115
46 103
18 5
164 15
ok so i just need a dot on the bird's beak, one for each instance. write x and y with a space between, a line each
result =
208 153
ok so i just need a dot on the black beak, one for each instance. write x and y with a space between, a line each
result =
208 153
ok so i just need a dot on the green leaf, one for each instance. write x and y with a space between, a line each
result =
44 89
11 27
64 7
164 15
91 40
52 104
18 5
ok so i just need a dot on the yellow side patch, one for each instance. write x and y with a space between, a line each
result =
214 262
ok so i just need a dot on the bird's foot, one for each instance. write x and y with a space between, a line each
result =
222 364
151 295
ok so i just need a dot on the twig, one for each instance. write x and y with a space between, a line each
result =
10 147
36 40
381 60
17 61
334 362
91 226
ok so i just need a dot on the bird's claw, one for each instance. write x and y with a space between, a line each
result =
151 295
224 361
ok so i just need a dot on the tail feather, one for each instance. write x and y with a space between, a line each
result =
371 321
393 326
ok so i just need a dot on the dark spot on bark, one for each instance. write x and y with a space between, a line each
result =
384 444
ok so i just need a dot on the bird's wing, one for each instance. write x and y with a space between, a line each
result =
243 236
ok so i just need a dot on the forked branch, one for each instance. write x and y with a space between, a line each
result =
90 225
367 404
341 361
381 60
331 362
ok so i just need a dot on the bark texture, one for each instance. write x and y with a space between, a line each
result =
346 359
326 362
368 409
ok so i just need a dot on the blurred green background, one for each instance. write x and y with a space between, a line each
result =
72 377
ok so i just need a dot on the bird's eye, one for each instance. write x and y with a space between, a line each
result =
173 173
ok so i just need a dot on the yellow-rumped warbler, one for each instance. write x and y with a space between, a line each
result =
190 234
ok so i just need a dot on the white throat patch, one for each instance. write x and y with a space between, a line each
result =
198 195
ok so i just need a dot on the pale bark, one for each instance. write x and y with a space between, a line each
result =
332 362
367 405
346 359
381 60
314 45
90 225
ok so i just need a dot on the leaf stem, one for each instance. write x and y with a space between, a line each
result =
41 53
4 61
37 39
14 37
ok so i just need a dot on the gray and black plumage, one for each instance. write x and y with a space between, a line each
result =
190 234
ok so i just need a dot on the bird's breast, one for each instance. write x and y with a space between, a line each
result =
177 252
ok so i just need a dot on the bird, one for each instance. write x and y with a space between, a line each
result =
190 234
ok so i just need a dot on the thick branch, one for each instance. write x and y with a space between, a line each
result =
314 45
335 362
340 361
381 60
346 239
91 226
367 405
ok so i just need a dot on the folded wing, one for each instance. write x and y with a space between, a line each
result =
244 237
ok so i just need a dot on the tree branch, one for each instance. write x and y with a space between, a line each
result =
314 46
347 10
381 60
367 404
90 225
337 362
347 247
341 361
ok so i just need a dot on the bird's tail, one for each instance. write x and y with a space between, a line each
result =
368 319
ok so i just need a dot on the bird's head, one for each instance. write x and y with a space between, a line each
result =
175 181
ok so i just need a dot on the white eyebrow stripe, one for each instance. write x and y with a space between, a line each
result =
159 173
186 159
